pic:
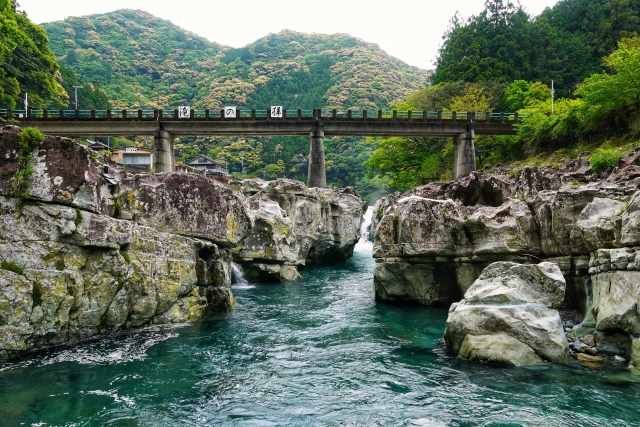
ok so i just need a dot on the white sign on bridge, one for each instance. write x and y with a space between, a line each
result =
230 112
277 112
184 112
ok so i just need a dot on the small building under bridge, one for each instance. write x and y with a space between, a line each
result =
209 166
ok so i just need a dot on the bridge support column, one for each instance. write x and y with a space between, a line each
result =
317 173
163 160
465 160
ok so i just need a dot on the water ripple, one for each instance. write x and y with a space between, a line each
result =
315 352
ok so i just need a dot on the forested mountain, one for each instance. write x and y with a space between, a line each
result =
139 59
26 63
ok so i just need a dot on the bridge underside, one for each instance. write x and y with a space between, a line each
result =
164 130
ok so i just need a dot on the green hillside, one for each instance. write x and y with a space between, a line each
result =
503 59
136 58
139 59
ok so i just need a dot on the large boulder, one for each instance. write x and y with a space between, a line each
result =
400 281
417 226
63 172
86 249
509 309
294 226
512 283
538 216
186 204
499 348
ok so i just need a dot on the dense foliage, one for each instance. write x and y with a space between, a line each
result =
497 60
90 95
605 103
565 43
26 63
141 60
605 158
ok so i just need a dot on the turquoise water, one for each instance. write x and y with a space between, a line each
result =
316 352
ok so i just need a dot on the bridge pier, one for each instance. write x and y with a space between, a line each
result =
317 172
465 160
163 160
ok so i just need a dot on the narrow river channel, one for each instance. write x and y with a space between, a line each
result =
319 351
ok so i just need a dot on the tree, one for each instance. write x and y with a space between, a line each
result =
26 63
607 103
274 170
243 154
565 43
521 93
473 98
495 45
613 99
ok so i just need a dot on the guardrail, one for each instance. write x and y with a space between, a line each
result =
255 114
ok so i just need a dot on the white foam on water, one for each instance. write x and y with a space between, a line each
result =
365 245
105 352
238 280
115 396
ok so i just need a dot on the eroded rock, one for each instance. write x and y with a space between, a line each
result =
294 226
512 283
87 249
509 308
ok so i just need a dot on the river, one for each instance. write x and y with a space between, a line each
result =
315 352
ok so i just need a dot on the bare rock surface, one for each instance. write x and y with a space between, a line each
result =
295 226
432 245
88 249
507 316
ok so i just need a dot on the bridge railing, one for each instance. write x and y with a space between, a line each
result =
255 114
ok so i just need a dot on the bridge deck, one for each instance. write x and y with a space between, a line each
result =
258 123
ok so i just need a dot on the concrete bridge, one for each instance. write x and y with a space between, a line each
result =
165 126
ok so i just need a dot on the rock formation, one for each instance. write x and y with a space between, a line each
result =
432 243
295 226
88 249
508 315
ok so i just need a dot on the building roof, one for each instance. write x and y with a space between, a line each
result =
129 151
205 160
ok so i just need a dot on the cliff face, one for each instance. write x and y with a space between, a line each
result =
433 243
451 232
87 249
294 226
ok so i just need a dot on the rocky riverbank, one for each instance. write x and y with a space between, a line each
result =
295 226
432 245
87 249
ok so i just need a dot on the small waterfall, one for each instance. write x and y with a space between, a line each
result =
237 277
364 244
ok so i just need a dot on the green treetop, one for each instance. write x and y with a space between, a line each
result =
26 63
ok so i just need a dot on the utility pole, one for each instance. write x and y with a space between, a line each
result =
75 92
553 97
26 104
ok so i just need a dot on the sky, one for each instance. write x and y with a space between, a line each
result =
407 29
